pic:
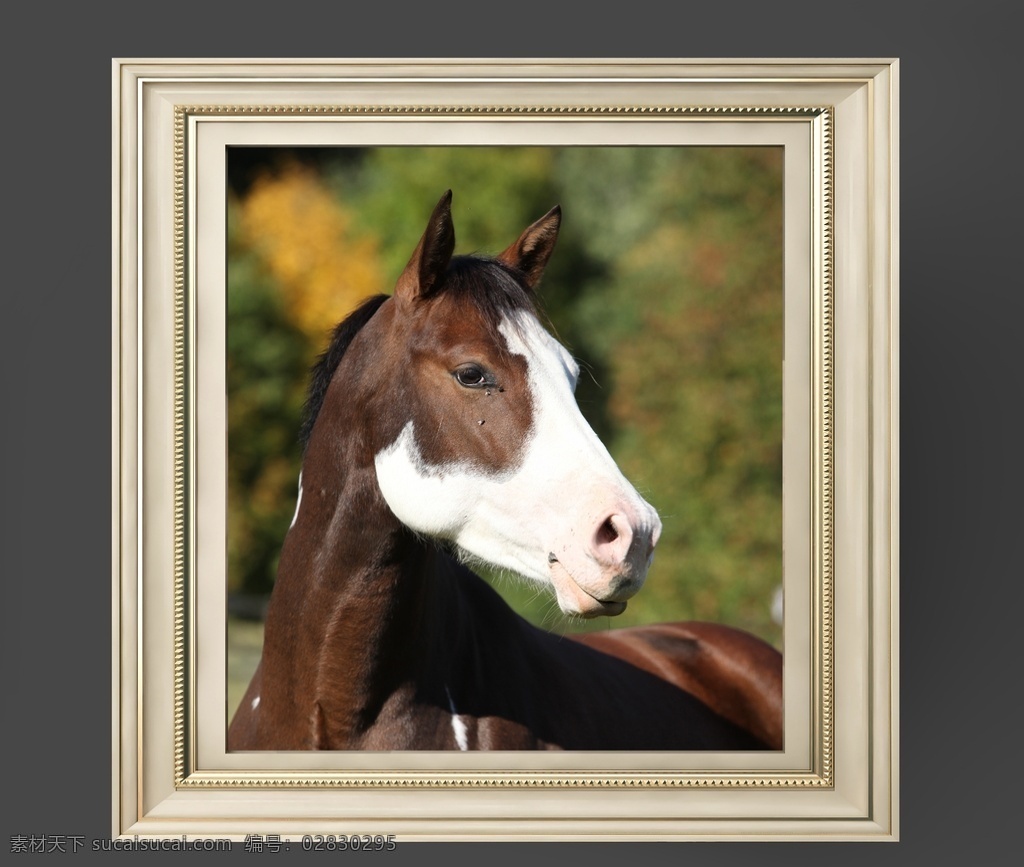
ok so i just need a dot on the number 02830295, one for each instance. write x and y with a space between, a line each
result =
349 842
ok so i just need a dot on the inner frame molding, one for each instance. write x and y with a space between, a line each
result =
187 769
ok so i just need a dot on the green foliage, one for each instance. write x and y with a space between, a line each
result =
267 362
696 373
666 284
394 190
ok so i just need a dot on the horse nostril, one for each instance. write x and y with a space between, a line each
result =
612 540
606 533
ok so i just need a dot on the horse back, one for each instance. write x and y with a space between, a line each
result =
735 674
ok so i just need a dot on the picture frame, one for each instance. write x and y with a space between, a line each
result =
837 776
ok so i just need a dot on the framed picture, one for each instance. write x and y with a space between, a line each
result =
728 288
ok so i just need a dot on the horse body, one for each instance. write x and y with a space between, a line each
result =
437 416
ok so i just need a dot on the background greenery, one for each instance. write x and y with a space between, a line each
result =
666 284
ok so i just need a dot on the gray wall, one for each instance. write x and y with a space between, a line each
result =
960 309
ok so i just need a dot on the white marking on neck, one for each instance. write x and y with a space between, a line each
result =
255 702
458 726
298 503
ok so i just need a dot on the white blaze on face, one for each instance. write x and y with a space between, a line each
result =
540 518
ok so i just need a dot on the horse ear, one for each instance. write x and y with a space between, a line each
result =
533 249
429 260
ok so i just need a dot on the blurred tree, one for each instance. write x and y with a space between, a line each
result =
394 189
267 359
693 240
304 236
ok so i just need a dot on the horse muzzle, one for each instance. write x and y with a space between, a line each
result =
611 567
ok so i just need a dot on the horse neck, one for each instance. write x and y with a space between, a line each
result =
358 604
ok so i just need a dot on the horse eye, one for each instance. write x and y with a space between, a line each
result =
471 376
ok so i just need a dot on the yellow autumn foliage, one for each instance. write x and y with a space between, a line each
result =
306 240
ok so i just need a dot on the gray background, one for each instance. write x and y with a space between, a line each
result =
960 306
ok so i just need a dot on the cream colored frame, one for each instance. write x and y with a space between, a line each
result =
837 777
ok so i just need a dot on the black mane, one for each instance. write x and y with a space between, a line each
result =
327 363
493 288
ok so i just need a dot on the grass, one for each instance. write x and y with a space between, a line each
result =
245 643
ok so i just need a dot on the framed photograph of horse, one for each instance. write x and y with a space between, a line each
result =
474 421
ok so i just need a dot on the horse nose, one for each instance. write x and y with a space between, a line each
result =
622 543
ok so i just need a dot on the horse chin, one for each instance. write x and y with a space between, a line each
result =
574 600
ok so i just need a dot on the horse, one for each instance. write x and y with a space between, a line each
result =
441 430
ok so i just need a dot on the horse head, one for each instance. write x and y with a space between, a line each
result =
474 430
